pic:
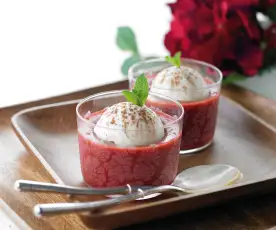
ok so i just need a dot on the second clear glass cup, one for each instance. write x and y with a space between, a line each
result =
200 115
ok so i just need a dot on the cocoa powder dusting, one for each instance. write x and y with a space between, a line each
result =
177 80
113 121
172 82
124 118
163 78
189 78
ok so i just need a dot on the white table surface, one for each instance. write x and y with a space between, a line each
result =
264 85
48 48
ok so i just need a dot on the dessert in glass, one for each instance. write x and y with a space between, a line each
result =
196 85
124 143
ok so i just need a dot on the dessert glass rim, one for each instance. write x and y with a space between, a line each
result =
86 99
208 86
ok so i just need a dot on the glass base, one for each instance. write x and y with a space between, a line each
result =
182 152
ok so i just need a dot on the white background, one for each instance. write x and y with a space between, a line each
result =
53 47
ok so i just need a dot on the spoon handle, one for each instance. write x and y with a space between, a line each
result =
35 186
60 208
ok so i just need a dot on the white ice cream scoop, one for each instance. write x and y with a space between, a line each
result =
126 124
182 84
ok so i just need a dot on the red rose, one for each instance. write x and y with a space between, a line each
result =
184 6
249 57
238 4
214 30
270 36
268 3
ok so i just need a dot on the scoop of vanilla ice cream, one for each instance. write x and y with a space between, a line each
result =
182 84
126 124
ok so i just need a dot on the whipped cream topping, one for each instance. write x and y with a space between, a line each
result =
126 124
182 84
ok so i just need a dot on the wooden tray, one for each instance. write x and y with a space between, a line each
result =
10 220
241 140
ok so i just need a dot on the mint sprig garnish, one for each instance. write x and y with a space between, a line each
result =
131 97
140 92
175 60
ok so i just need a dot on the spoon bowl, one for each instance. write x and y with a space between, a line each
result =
202 178
207 177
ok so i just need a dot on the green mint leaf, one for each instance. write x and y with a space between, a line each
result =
233 77
169 59
175 60
139 94
129 62
131 97
126 39
141 89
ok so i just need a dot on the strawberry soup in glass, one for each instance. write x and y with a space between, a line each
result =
200 103
133 157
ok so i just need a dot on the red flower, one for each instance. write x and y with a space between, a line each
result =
213 31
268 3
270 36
249 57
185 6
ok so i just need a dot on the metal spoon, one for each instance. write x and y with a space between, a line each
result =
193 180
36 186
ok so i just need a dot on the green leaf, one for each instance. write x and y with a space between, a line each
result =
126 40
128 63
131 97
233 78
169 59
139 94
271 12
175 60
141 89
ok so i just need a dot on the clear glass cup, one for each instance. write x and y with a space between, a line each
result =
105 164
200 115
